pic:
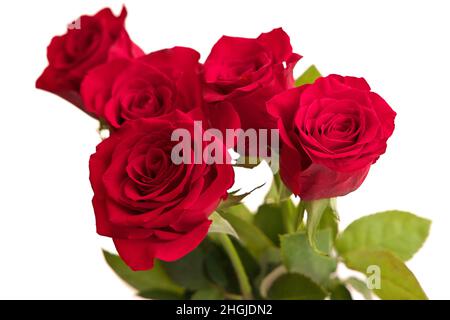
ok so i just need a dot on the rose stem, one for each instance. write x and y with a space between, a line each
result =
244 284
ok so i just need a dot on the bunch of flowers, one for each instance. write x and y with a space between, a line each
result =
161 179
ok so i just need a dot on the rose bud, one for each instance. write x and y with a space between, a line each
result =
331 132
150 206
148 86
89 42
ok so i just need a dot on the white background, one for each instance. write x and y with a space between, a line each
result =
48 244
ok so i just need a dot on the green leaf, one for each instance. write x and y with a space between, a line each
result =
219 269
396 281
285 193
340 292
251 236
160 295
299 257
220 225
240 211
278 191
154 279
300 216
399 232
269 219
189 271
292 286
208 294
290 215
360 286
308 77
329 221
315 210
272 195
234 199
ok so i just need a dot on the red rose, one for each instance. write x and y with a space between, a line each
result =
242 74
331 133
149 86
151 207
93 40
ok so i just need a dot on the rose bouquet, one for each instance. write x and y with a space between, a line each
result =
162 177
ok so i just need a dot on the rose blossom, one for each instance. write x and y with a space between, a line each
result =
93 40
242 74
151 207
148 86
331 132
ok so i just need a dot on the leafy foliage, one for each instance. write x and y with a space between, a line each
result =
299 257
397 282
293 286
282 257
308 77
282 264
399 232
144 281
